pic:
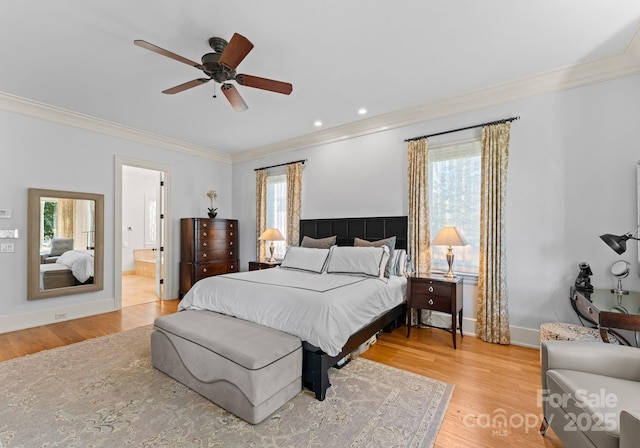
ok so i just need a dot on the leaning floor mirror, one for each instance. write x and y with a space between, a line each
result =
65 243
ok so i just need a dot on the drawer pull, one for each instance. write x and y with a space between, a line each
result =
430 301
204 233
231 253
230 233
231 225
204 224
204 270
231 266
204 244
430 288
204 255
231 243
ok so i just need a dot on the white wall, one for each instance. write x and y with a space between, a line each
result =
41 154
138 185
572 177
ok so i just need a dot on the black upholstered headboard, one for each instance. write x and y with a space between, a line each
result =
346 229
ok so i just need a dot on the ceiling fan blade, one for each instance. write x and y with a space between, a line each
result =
237 49
265 84
186 85
234 97
146 45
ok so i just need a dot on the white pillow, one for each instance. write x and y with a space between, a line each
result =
360 261
397 262
305 259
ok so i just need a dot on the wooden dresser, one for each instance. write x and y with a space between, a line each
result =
207 247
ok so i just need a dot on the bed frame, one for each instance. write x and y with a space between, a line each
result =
315 362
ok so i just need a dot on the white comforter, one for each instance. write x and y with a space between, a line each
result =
322 309
80 262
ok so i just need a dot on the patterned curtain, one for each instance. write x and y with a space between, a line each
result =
294 200
419 246
419 241
261 211
65 213
492 323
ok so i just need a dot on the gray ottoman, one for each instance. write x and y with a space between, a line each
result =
245 368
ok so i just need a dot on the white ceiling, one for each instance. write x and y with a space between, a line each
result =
340 55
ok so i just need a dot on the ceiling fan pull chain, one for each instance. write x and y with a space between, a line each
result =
214 91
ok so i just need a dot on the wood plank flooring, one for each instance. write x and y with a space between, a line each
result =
490 380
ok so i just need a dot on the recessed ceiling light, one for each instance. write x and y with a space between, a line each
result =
362 111
317 123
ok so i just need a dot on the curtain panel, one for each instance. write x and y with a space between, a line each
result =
261 212
65 218
294 201
492 324
419 240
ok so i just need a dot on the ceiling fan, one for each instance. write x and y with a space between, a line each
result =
220 66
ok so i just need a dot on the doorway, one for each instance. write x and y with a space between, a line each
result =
141 238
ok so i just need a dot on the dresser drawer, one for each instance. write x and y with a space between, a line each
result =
218 254
431 287
215 224
431 302
204 270
215 244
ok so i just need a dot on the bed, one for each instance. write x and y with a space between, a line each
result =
73 267
332 307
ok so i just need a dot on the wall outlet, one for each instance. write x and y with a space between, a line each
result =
6 247
5 213
59 316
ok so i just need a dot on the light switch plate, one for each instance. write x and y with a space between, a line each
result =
6 247
8 233
5 213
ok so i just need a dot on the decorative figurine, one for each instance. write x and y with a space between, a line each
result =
583 282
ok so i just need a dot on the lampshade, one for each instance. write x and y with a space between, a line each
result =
271 235
617 243
449 236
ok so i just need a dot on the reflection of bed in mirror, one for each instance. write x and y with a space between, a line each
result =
72 268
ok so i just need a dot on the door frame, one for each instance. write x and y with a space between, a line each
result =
168 277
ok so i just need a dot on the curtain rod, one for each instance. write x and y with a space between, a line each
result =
281 164
505 120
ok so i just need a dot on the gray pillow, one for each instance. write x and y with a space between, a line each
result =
319 243
60 246
358 261
389 242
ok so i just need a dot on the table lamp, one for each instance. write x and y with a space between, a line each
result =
449 236
271 235
618 243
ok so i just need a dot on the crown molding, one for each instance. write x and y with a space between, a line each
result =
35 109
578 75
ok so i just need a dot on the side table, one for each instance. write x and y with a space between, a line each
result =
257 265
436 293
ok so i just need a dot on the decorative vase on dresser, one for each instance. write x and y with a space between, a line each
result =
207 247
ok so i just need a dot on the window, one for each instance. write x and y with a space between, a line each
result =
454 200
277 210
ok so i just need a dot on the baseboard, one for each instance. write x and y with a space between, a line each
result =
525 337
22 321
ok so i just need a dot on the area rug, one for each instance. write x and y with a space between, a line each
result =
104 392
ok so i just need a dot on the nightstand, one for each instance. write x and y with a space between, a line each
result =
436 293
257 265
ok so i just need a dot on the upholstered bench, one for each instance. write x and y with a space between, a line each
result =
245 368
561 331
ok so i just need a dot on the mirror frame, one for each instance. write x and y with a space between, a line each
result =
33 245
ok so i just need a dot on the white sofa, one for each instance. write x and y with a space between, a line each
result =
591 393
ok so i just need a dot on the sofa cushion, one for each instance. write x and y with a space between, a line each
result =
591 403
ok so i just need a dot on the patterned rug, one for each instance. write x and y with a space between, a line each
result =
104 393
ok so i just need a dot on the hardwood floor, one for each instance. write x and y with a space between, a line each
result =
491 381
138 289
